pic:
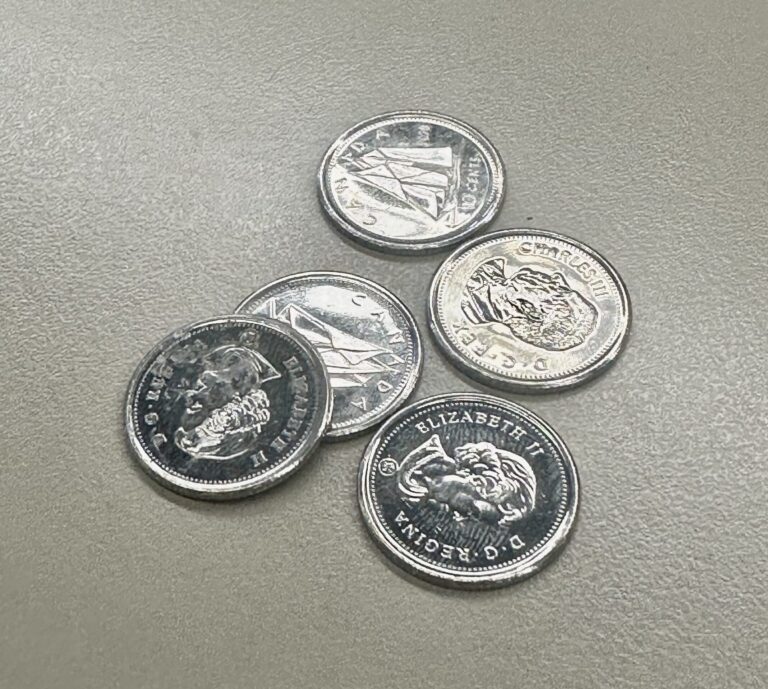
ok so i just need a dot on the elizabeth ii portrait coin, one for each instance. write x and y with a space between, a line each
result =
468 491
227 407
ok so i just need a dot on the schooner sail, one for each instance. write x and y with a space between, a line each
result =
419 177
351 361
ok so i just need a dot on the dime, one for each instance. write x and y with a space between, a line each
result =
366 336
468 490
411 181
227 407
529 310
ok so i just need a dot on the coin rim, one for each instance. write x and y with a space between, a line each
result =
443 576
270 478
354 429
495 380
497 177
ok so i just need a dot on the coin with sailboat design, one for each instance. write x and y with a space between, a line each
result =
366 336
411 181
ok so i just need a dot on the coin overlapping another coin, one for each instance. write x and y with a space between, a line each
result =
463 489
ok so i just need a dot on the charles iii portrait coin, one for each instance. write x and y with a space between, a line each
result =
529 310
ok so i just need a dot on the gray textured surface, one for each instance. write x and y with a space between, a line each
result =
157 161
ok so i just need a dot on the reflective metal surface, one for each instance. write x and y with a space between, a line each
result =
468 490
411 181
227 407
529 310
364 333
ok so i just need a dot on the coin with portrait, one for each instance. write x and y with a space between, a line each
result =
468 491
529 310
227 407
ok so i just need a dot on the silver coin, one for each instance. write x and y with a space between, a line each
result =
529 310
468 490
227 407
366 336
411 181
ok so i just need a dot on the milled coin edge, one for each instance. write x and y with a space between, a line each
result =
492 206
259 483
449 578
356 429
494 380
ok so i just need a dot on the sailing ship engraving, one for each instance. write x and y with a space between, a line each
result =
423 178
351 361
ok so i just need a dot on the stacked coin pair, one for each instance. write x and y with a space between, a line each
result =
465 490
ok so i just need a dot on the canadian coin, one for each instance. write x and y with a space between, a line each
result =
468 490
529 310
366 336
227 407
411 181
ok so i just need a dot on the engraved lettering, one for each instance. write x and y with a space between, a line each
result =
468 202
259 459
517 433
447 552
507 361
383 386
480 348
299 406
545 250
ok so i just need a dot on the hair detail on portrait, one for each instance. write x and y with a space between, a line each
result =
226 409
480 481
537 307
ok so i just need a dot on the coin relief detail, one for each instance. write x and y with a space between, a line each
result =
529 309
468 490
227 407
411 181
366 336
